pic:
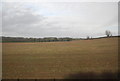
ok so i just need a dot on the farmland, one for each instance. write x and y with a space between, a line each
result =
48 60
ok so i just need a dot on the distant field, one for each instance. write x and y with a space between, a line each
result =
49 60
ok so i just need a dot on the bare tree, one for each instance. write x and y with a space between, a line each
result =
88 37
108 33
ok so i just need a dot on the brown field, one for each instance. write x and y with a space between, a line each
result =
49 60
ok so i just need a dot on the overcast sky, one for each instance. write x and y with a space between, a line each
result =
59 19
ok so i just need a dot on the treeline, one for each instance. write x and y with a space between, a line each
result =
46 39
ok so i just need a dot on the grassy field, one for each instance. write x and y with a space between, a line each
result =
48 60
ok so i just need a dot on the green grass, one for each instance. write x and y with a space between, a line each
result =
46 60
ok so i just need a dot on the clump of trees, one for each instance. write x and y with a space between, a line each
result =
46 39
108 33
89 38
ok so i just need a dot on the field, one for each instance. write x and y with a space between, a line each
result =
49 60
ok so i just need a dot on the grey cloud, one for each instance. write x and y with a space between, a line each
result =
19 20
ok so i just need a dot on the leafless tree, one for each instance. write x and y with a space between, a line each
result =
88 37
108 33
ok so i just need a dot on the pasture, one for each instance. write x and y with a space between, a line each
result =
49 60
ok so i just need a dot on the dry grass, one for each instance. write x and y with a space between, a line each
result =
59 59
